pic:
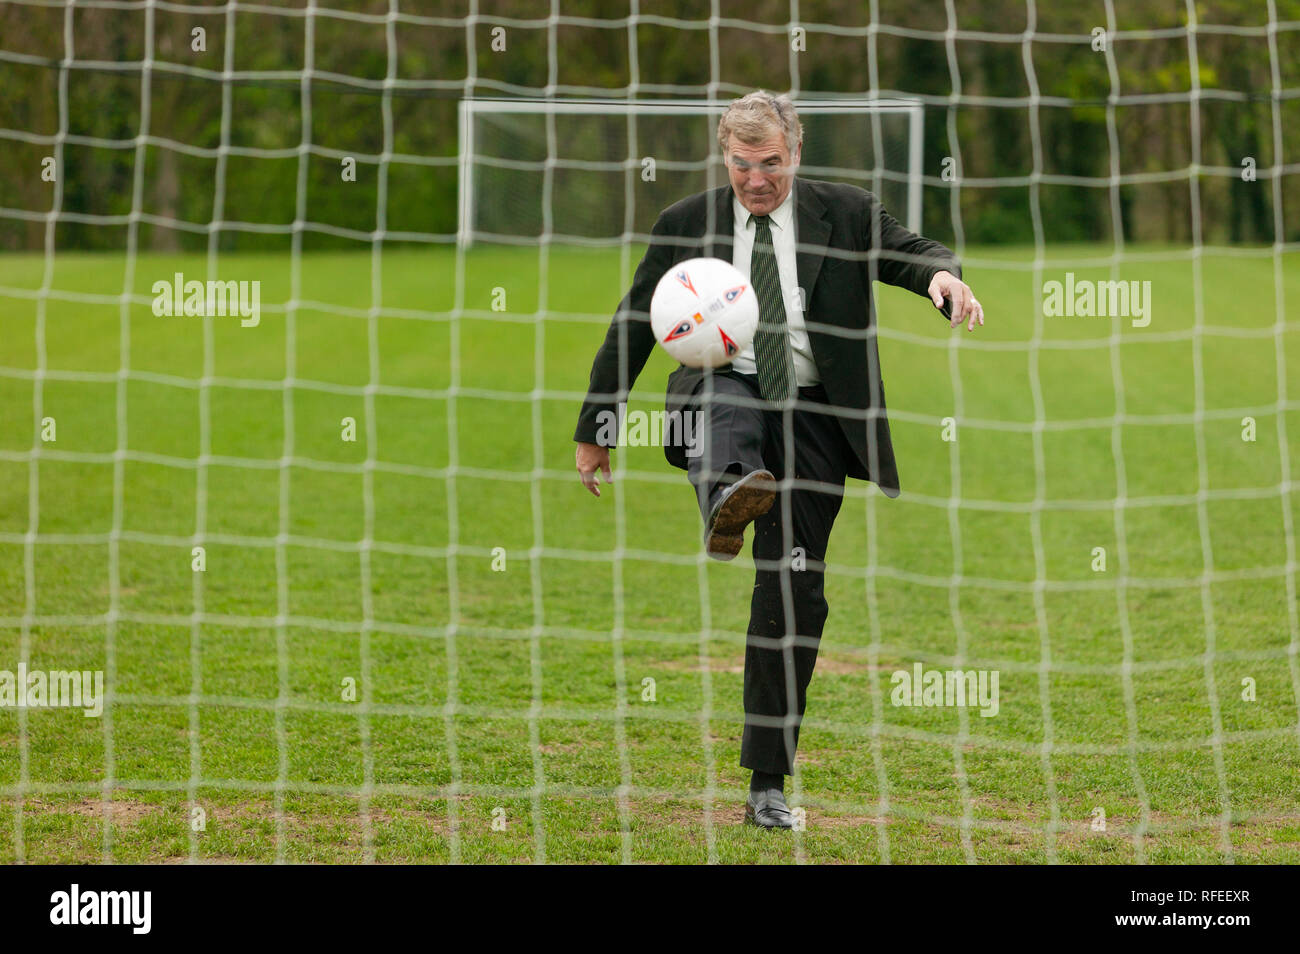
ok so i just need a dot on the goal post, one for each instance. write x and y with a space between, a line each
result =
512 148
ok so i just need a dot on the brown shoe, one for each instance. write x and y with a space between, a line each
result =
739 505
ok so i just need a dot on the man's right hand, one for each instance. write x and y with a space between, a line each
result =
592 459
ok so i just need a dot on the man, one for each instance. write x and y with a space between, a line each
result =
805 401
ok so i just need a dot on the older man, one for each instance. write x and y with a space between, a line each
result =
805 401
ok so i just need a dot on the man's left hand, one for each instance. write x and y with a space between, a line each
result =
965 306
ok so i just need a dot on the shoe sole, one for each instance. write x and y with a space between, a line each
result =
752 498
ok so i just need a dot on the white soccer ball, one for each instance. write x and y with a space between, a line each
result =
704 312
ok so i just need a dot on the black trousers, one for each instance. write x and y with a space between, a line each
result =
788 609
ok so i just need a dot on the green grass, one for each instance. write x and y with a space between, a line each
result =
522 690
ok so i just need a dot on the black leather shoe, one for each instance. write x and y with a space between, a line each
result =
767 809
747 498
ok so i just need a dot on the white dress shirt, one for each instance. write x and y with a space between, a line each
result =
783 243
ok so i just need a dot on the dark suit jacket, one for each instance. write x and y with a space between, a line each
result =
836 227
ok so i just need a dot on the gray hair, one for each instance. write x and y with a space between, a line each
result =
756 116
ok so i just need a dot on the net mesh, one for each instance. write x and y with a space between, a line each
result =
529 186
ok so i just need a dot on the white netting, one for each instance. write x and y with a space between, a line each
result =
888 167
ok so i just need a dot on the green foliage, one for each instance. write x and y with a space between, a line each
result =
268 108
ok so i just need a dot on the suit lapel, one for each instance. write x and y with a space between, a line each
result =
720 243
811 232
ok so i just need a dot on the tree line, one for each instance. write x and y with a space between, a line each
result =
1021 107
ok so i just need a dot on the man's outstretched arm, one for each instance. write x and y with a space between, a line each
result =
626 348
920 265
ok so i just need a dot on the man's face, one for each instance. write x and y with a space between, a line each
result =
761 175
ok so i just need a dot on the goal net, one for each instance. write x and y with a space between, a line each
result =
297 308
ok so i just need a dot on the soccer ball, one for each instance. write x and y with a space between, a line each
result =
704 312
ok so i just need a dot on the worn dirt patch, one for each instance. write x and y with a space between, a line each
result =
836 664
734 665
437 819
127 813
819 820
124 814
844 664
565 747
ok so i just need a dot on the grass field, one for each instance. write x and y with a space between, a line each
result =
521 690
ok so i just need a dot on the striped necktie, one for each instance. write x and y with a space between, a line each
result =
772 357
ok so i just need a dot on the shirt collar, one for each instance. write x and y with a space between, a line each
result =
780 216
